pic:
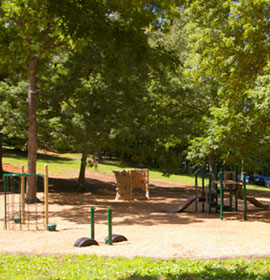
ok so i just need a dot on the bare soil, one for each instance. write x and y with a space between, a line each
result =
150 230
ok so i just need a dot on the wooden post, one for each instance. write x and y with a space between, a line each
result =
46 193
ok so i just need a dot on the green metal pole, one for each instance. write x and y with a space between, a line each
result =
109 226
216 186
230 193
12 185
221 196
216 171
203 192
36 183
210 194
222 167
92 222
236 191
245 197
5 199
196 192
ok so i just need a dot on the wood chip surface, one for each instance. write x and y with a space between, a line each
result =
150 230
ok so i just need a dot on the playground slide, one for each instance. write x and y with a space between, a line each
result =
253 201
191 199
181 208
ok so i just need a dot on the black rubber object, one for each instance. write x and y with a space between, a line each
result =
115 238
84 242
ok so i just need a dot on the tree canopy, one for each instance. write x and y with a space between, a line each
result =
157 82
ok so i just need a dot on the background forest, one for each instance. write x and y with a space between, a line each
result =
167 84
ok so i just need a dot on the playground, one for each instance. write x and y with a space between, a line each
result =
150 230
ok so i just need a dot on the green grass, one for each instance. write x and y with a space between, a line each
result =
62 164
93 267
59 164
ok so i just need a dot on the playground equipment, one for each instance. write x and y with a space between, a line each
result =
212 195
17 213
110 239
128 179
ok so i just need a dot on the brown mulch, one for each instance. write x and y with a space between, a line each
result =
150 230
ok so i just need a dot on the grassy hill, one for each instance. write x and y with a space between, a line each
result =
62 164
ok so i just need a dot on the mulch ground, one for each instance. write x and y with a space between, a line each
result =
150 230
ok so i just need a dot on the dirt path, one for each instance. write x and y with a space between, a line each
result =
149 229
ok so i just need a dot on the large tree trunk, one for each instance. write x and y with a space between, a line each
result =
1 154
81 179
32 131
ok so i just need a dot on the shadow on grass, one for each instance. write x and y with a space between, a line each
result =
208 272
256 190
118 165
18 154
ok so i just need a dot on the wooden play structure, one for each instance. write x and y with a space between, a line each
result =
18 215
224 184
129 179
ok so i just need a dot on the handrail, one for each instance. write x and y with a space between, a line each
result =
197 171
20 174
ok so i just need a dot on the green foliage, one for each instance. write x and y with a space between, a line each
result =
93 267
13 113
89 58
228 43
148 81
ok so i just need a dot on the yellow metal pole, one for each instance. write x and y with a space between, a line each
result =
22 204
46 192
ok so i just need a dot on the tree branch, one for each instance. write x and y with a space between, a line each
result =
57 45
50 42
47 147
72 107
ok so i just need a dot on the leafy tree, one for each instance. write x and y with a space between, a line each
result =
33 34
98 84
229 43
35 30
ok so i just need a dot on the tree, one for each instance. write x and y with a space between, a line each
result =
102 73
229 44
33 35
35 30
94 99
